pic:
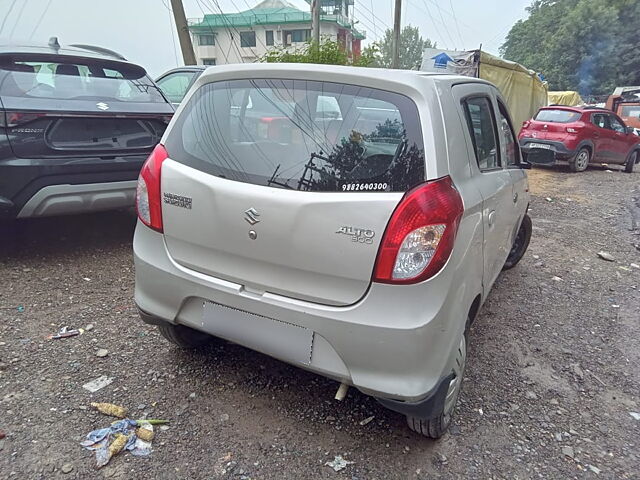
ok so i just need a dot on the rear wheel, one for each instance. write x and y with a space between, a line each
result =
184 337
631 161
520 244
437 426
580 162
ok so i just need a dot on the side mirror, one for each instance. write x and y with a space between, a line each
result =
524 165
630 130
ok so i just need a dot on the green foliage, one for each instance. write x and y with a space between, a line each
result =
585 45
411 47
328 52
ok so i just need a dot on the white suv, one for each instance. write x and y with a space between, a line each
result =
349 221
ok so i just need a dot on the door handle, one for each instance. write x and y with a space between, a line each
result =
595 135
491 218
515 197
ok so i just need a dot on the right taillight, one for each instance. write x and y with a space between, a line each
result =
148 195
526 124
420 235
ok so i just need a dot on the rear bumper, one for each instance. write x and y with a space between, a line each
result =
556 153
72 199
397 344
43 187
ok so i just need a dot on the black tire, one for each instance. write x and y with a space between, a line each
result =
580 161
436 427
520 244
631 161
184 337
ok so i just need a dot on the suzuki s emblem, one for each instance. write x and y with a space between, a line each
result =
251 215
102 106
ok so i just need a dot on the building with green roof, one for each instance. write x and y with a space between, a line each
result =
244 37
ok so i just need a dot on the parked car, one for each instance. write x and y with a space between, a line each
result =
579 136
359 246
176 82
76 125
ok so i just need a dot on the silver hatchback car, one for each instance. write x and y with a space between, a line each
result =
349 221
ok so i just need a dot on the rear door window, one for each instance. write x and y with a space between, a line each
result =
89 79
482 127
301 135
557 116
508 144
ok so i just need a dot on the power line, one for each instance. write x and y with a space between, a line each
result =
374 16
225 55
237 31
455 19
173 38
230 27
453 43
44 12
433 22
369 22
13 4
15 24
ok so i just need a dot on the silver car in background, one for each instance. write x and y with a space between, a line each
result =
349 221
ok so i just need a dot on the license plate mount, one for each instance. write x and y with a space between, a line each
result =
544 146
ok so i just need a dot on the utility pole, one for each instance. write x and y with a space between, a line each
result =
395 59
315 21
183 32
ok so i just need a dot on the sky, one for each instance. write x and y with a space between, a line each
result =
143 30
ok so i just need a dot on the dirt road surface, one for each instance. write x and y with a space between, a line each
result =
550 389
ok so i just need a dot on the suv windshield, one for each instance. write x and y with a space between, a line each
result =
304 135
88 79
557 116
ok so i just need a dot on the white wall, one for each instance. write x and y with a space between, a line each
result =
228 50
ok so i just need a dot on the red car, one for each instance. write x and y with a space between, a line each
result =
578 136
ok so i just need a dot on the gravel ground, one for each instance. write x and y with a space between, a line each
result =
551 381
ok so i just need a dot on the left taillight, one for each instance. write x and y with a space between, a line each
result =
12 119
148 195
420 235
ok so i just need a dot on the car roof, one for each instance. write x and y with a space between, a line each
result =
188 68
576 109
185 68
307 71
88 51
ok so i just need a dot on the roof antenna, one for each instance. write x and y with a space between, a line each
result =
53 43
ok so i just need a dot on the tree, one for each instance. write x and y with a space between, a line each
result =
328 52
585 45
411 47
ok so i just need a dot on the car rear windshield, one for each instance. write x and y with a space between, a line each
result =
85 79
301 135
557 116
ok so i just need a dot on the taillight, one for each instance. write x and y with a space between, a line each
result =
420 235
14 119
573 130
526 124
148 195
